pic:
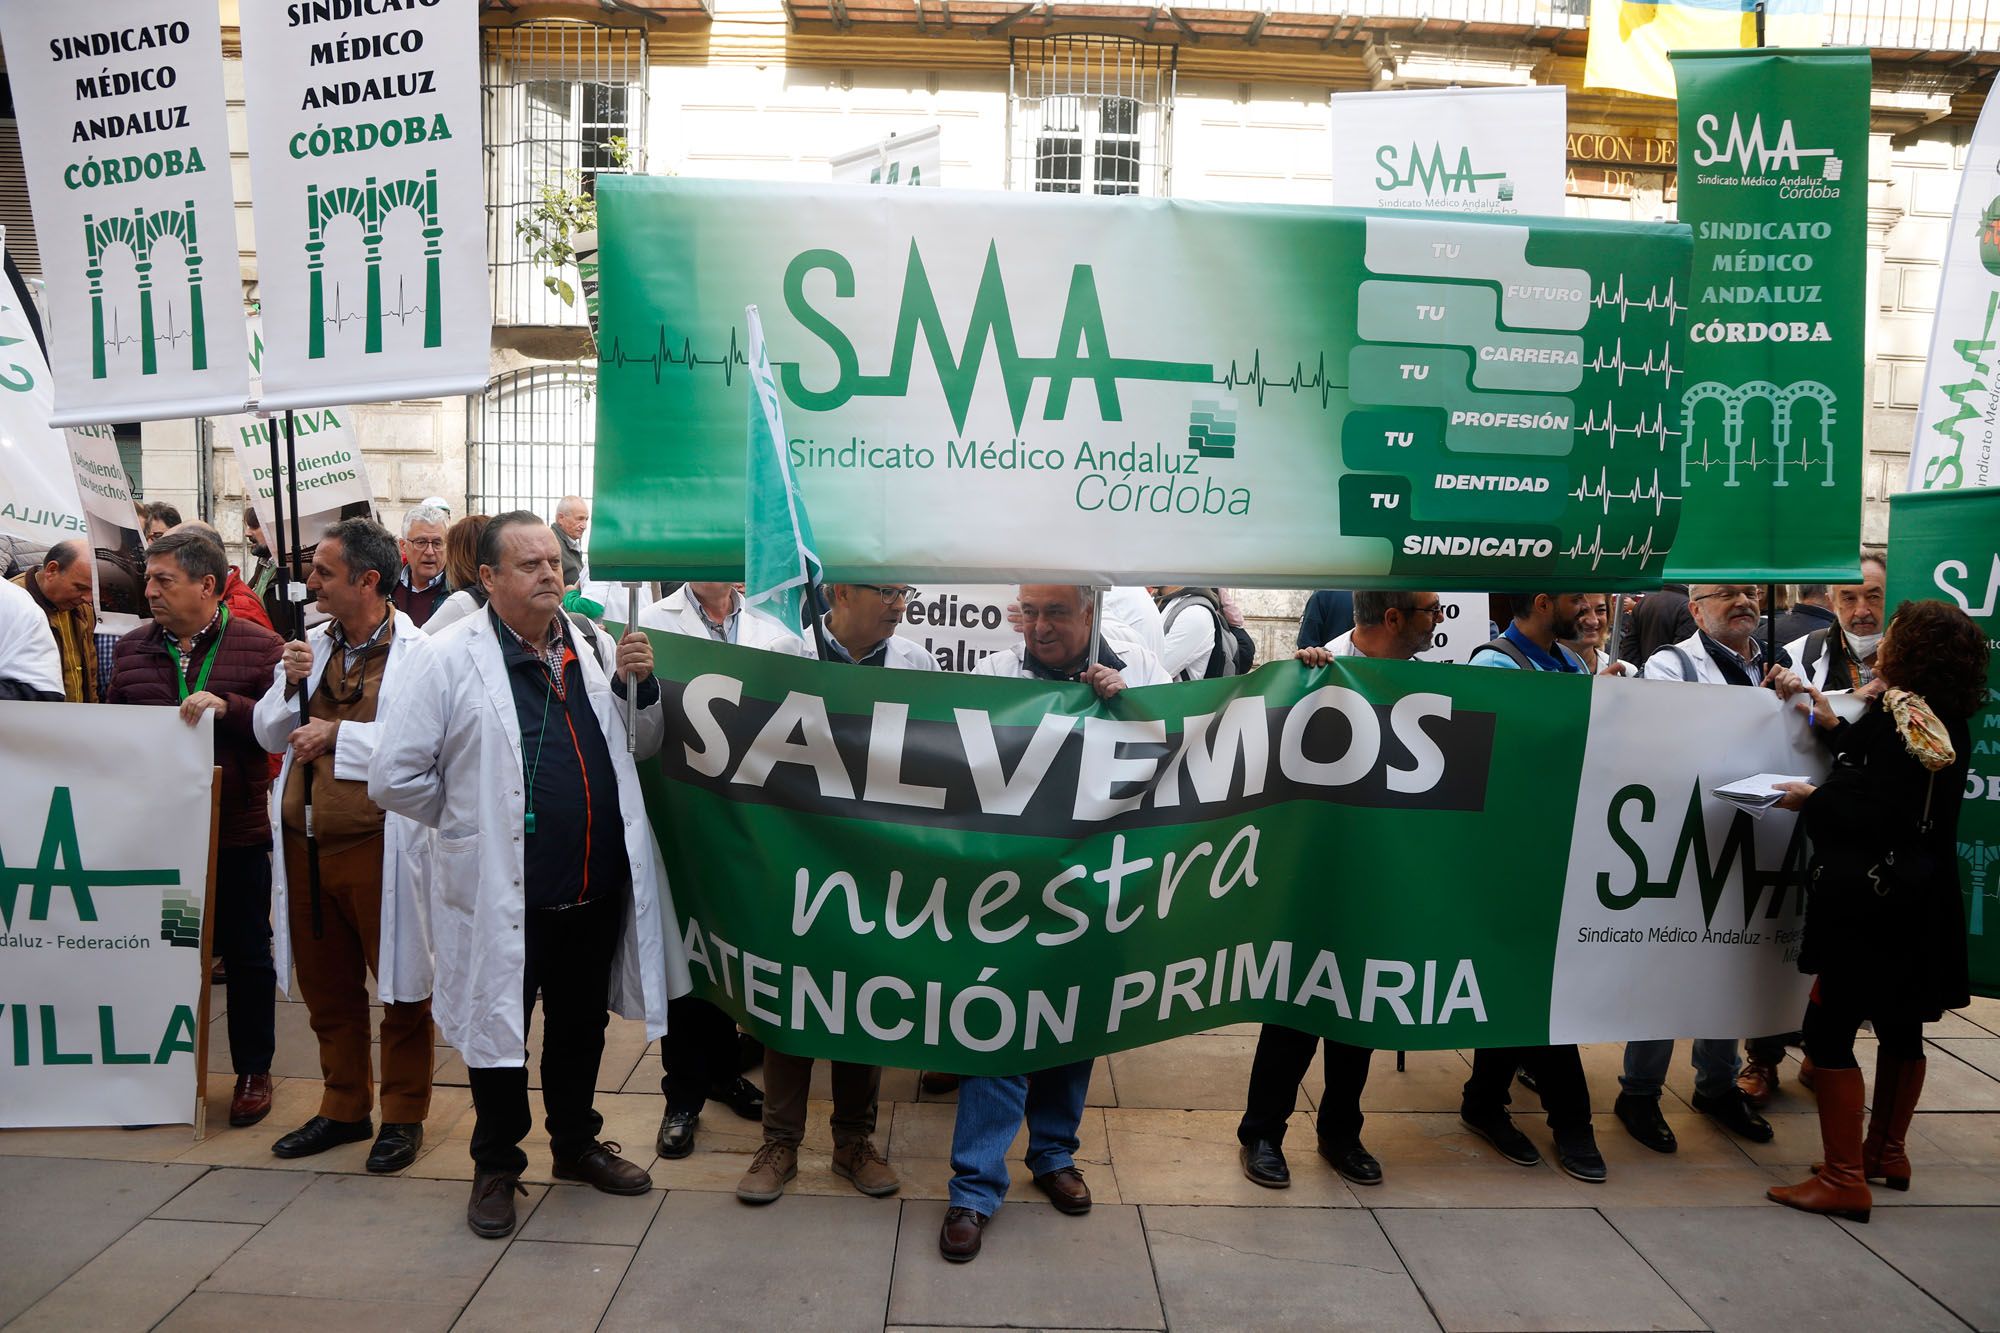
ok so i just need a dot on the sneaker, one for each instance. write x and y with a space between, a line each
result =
774 1165
1735 1112
869 1170
1576 1153
1643 1121
1499 1131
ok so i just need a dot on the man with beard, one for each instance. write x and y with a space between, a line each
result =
1841 656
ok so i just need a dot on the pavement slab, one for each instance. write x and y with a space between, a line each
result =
138 1280
1952 1253
1191 1157
394 1238
580 1215
1530 1269
711 1263
230 1312
1205 1072
62 1213
229 1194
1265 1268
541 1285
1036 1269
1805 1269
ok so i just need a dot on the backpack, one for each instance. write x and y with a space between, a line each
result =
1234 649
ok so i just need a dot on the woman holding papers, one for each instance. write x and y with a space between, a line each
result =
1885 924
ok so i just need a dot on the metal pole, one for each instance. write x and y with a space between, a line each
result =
1760 22
1096 625
631 686
292 500
297 606
1770 625
1611 630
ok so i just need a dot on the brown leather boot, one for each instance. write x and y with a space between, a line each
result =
1898 1083
1838 1187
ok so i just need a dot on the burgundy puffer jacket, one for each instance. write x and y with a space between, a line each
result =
142 673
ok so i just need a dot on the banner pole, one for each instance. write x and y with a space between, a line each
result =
207 957
1611 630
1770 625
631 687
1096 625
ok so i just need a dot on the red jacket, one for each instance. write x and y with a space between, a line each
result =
142 673
244 604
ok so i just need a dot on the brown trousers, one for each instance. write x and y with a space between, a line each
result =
856 1090
333 980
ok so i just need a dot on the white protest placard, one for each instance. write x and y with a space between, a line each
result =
331 470
113 521
102 901
961 623
1461 628
124 138
1479 150
900 159
366 167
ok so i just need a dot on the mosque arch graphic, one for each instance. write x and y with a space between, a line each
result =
137 235
370 205
1783 400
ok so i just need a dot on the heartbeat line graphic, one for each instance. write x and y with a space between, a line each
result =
1638 495
1654 299
1660 364
662 356
1756 460
1643 551
1655 429
1300 382
167 334
400 312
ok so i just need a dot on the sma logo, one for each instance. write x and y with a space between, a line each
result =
1740 147
1428 170
1712 873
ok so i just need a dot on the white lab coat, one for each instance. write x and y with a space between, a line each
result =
28 651
452 610
1667 664
1141 667
452 760
678 613
403 968
902 655
1131 615
1190 639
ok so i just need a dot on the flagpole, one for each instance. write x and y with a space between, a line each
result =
631 686
811 610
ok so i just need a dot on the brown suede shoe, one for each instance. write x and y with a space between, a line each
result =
252 1100
959 1238
770 1169
869 1170
490 1211
602 1168
1065 1189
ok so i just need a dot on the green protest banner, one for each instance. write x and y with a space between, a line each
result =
1774 181
984 875
982 384
1947 544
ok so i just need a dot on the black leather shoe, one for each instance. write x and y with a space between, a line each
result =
741 1096
395 1147
318 1134
1576 1153
1733 1111
958 1239
600 1167
490 1210
677 1133
1357 1166
1264 1164
1643 1121
1499 1131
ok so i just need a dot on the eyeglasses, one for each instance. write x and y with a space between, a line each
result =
890 593
426 543
1434 610
1729 595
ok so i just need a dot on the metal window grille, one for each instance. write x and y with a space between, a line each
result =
1090 114
557 93
534 440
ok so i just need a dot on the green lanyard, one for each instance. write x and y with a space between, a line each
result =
201 677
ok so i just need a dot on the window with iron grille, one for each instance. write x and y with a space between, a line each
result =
558 93
532 440
1089 114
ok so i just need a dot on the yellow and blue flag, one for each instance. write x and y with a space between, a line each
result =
1629 39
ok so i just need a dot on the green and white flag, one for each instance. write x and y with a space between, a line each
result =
780 564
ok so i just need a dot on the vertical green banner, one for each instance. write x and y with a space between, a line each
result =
1946 544
1774 181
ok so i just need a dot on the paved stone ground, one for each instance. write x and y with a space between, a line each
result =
109 1230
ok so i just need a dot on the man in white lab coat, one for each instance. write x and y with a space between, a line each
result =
511 743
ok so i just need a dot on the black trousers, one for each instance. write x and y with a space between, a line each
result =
242 939
1830 1030
1557 1071
1283 1055
698 1052
568 963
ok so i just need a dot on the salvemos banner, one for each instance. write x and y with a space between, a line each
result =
982 875
983 385
101 902
125 138
371 222
1774 180
1475 150
1947 545
1958 424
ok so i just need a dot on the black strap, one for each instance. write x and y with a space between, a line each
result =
1507 648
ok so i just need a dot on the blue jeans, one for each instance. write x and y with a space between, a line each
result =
1647 1062
989 1114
